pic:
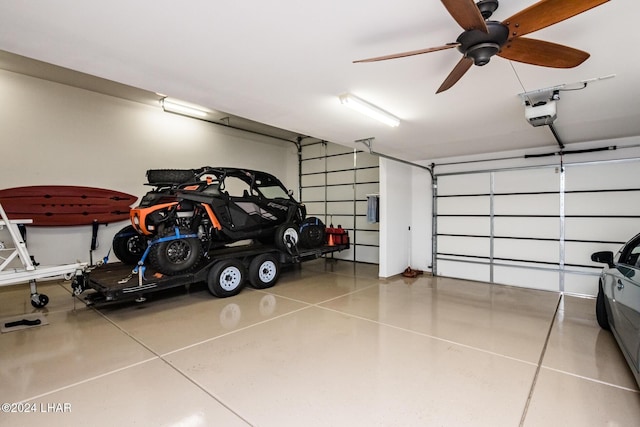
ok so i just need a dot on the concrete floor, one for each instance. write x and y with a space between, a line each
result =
330 344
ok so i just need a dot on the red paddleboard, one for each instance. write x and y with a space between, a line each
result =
63 205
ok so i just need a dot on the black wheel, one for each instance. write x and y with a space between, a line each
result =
312 233
226 278
176 256
170 176
264 271
601 309
39 300
129 245
286 237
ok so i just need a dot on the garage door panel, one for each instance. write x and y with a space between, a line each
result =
313 180
579 253
474 246
340 162
367 254
464 225
333 149
367 237
467 205
363 224
464 270
363 189
615 203
313 193
479 183
313 165
527 250
366 160
527 181
345 221
315 209
341 177
343 208
603 176
527 204
340 192
583 282
528 277
601 229
545 228
312 150
367 175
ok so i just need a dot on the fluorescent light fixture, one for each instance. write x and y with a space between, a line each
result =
174 107
370 110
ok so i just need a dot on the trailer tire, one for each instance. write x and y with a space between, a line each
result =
176 256
264 271
226 278
286 237
129 245
170 176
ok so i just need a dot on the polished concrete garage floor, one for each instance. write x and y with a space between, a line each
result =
330 345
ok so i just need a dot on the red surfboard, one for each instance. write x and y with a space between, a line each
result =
64 205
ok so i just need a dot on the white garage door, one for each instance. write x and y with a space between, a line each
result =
536 227
335 181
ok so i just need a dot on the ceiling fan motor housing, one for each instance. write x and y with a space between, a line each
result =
481 46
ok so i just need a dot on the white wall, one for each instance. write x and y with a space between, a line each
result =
395 217
53 134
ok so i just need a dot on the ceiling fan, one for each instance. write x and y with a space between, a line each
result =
482 38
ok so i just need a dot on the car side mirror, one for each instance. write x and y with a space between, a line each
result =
604 257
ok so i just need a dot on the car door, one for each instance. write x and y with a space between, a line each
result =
626 300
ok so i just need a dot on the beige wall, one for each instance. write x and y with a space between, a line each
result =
53 134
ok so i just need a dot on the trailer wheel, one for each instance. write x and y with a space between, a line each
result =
129 245
176 256
264 271
286 237
226 278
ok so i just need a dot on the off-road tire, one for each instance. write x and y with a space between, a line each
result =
176 256
129 245
286 237
312 233
170 176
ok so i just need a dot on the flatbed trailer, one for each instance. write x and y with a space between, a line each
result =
225 272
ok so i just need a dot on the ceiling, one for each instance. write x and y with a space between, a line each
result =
283 63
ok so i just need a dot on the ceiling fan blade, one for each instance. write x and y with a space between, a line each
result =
466 14
410 53
545 54
545 13
457 73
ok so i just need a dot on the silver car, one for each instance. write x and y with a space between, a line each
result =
618 302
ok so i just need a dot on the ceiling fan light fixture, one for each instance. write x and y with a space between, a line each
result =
368 109
175 107
482 53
